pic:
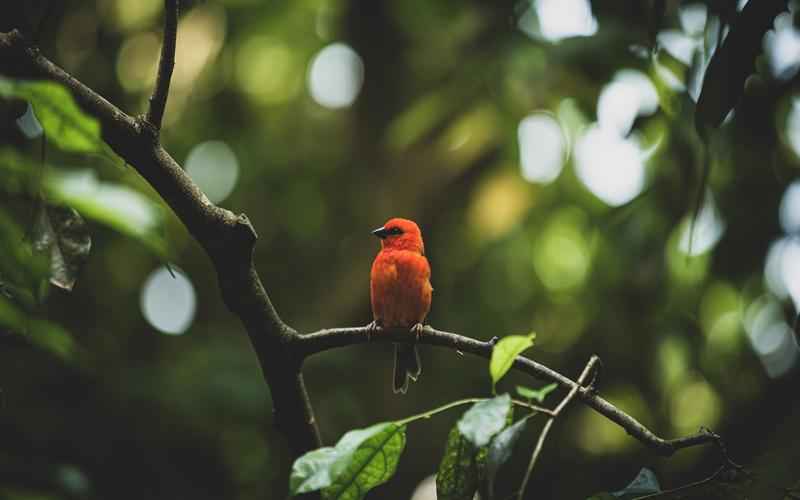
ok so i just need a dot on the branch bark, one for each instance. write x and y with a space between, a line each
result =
227 238
323 340
158 101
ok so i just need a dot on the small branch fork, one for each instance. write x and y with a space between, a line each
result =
229 240
158 101
589 369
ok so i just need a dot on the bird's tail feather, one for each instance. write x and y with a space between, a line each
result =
406 366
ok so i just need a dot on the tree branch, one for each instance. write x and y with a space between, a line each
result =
158 101
309 344
227 238
588 369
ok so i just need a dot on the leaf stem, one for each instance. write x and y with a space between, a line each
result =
460 402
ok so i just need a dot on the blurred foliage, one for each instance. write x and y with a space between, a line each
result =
92 395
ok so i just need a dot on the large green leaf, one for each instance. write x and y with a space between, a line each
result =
485 419
65 124
504 353
373 463
115 205
457 477
361 460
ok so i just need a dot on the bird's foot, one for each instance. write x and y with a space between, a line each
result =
371 329
417 330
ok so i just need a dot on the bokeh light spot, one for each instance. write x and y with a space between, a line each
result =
790 208
694 404
555 20
561 254
214 167
267 70
770 337
610 166
629 94
782 47
137 61
168 303
542 148
706 230
335 76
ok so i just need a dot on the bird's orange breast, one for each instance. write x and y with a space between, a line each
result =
400 288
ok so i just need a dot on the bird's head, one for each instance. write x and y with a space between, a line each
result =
400 234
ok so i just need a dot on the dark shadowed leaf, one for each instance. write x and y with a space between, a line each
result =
485 419
504 353
536 394
645 483
61 233
457 477
22 271
734 62
361 460
500 449
43 334
65 124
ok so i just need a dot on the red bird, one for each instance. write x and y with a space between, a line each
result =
400 289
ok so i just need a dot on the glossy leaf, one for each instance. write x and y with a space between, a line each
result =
504 353
485 419
65 124
457 477
373 463
114 205
536 394
361 460
61 233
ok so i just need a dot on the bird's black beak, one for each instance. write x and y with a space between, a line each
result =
381 232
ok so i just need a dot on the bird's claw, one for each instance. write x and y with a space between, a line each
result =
372 328
417 330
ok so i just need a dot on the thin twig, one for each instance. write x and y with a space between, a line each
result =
158 101
588 369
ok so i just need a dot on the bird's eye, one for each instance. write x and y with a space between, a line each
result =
395 230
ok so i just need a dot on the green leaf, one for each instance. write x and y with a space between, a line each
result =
538 394
65 124
485 419
645 483
62 233
114 205
504 353
43 334
361 460
457 477
373 463
22 271
500 449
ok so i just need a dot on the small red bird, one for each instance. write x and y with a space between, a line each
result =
400 289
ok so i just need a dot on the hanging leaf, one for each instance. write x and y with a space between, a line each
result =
500 449
61 233
504 353
373 463
485 419
114 205
734 62
645 483
65 124
361 460
457 477
536 394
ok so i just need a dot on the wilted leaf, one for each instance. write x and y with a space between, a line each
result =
485 419
62 233
115 205
457 477
361 460
65 124
504 353
538 394
732 63
500 449
645 483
